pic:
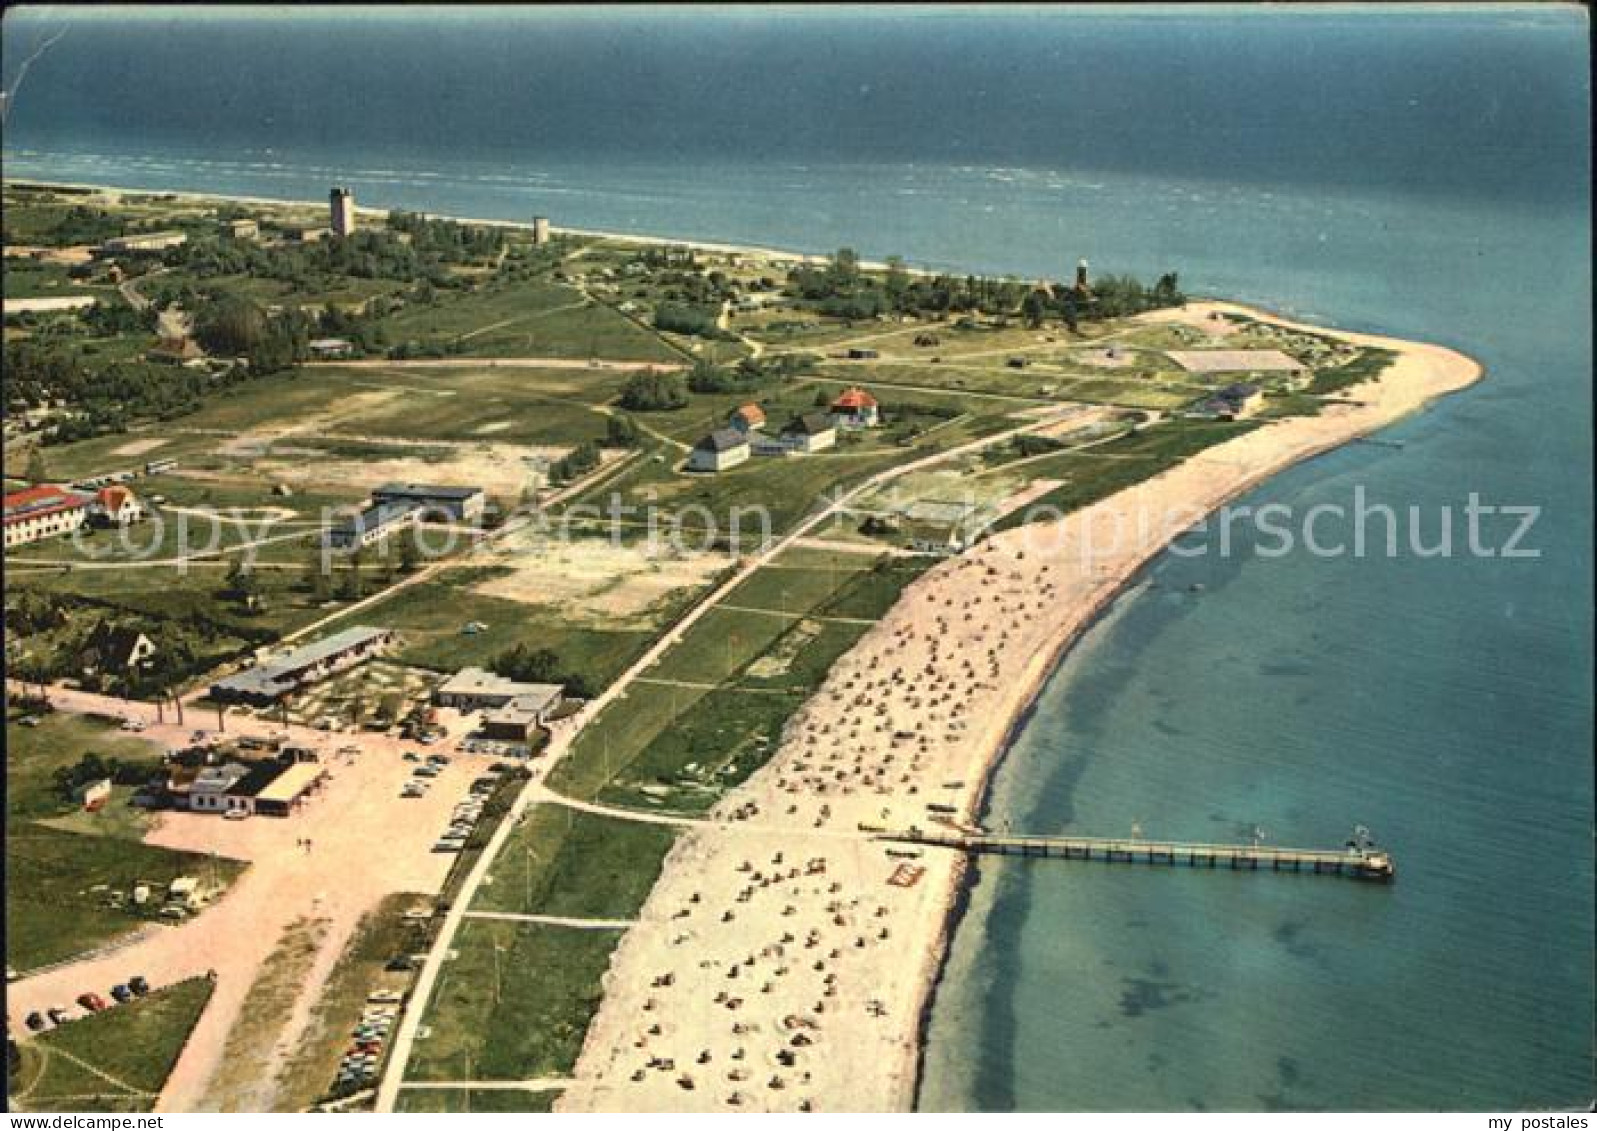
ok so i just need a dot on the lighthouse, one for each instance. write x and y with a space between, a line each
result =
1081 277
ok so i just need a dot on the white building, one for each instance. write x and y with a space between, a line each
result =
474 689
42 512
721 449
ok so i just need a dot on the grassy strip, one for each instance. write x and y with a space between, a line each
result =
466 1100
563 862
513 1003
1368 365
1091 476
241 1078
383 933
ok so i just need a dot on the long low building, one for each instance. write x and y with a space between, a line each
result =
462 504
373 524
272 679
43 512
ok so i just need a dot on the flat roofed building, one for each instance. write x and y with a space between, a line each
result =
43 512
721 449
464 504
374 523
209 791
274 678
518 719
146 243
1236 361
328 348
288 788
243 229
475 689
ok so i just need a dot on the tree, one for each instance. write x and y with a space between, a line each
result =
1033 308
622 432
38 470
230 326
242 584
409 552
320 583
650 391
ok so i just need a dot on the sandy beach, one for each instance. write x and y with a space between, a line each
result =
784 959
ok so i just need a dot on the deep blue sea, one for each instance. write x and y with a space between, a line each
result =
1420 173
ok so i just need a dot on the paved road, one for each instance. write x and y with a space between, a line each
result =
555 920
497 363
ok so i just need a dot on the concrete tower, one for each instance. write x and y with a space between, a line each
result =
341 206
540 230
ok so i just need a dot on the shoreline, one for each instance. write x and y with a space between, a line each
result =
752 250
923 924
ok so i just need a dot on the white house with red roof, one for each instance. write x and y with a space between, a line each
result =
44 511
115 506
856 409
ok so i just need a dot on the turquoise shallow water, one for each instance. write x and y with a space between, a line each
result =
1417 174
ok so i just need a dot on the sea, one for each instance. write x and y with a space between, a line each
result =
1416 171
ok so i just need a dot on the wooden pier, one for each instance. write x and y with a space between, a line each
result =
1360 860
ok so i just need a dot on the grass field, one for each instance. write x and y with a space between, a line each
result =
430 617
1099 473
527 319
116 1061
513 1002
59 880
466 1100
564 862
29 278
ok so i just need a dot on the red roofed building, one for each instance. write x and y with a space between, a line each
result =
748 418
116 506
42 512
855 409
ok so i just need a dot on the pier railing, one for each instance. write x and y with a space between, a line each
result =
1364 863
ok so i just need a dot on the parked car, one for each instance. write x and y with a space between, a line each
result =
122 993
35 1021
438 759
426 771
57 1015
94 1003
412 756
236 815
399 964
139 985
